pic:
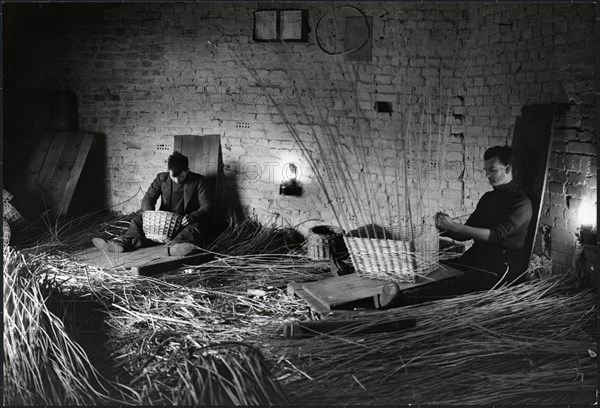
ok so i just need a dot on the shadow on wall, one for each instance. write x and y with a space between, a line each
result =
90 192
55 113
229 204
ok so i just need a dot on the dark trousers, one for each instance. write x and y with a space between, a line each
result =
483 270
191 233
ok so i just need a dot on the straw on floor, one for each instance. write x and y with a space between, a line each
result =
527 344
42 364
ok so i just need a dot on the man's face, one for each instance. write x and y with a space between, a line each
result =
496 172
179 178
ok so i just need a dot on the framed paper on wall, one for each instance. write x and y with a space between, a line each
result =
281 25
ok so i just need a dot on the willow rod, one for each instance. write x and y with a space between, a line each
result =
297 138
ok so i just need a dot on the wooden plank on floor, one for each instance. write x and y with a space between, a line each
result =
314 303
120 262
142 262
339 290
343 289
170 264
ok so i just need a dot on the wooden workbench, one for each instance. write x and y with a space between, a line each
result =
142 262
327 295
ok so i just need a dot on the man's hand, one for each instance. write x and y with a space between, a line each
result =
458 231
443 222
185 221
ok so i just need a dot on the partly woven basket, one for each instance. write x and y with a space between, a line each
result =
5 233
161 226
322 241
6 196
390 254
10 214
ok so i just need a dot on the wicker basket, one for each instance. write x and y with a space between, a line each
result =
6 196
389 254
161 226
322 240
11 215
6 233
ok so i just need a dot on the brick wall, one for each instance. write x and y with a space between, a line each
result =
456 75
541 53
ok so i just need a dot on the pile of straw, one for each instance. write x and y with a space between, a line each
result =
42 364
211 334
68 233
248 237
533 343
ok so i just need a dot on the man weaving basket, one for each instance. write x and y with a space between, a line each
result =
498 227
182 192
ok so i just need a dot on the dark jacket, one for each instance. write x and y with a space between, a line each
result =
506 212
196 199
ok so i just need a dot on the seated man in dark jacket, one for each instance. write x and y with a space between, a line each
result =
182 192
498 226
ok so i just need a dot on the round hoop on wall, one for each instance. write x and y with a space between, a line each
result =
332 28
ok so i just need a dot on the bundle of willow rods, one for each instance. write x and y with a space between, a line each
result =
358 190
248 236
42 364
73 233
533 343
157 325
184 372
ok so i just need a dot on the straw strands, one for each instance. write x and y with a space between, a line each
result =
172 326
42 364
369 177
183 372
212 334
534 343
72 233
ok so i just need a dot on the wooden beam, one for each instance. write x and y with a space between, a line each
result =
532 142
359 326
295 288
170 264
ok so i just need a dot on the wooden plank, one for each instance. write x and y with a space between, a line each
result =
120 261
339 290
204 155
172 263
293 287
185 148
69 169
531 144
343 289
36 162
63 161
313 328
314 303
177 144
142 262
203 152
59 140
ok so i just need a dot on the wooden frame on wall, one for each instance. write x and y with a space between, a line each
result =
280 25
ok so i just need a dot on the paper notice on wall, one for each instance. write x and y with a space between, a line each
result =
265 25
291 24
